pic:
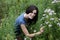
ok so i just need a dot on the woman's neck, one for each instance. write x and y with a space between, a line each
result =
25 16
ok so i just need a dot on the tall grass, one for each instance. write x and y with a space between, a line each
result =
14 8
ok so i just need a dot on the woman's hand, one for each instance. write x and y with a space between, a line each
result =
37 33
42 29
40 32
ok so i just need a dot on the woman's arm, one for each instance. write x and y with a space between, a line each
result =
25 31
40 32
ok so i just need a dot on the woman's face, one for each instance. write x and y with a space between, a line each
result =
32 15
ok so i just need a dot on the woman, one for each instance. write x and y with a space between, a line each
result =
29 17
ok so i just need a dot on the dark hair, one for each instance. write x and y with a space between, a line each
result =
29 10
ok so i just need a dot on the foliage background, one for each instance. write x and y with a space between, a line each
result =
11 9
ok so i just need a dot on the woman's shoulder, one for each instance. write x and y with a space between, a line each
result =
20 18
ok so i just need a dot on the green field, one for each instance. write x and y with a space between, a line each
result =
50 19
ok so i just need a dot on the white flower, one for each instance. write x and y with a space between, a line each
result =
45 10
59 19
49 10
34 30
54 13
44 14
25 38
50 13
42 18
53 1
41 25
30 38
50 25
46 22
58 24
47 16
15 39
52 19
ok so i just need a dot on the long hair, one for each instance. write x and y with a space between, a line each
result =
29 10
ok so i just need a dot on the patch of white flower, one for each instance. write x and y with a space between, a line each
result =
59 19
34 30
44 14
41 25
25 38
15 39
55 1
58 24
47 16
42 18
46 22
51 19
49 11
54 13
30 38
50 25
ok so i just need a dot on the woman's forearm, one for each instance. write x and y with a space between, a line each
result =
34 34
31 35
38 33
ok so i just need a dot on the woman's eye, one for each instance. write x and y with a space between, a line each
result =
34 13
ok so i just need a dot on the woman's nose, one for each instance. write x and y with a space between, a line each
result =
33 14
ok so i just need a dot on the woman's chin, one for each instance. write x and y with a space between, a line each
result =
30 18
